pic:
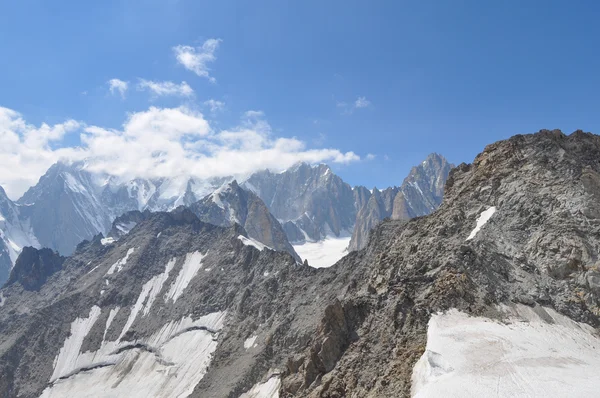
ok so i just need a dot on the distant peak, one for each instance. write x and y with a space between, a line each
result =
304 165
297 166
434 157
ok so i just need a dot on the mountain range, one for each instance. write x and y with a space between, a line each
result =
306 206
496 293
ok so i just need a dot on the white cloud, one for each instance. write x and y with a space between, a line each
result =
349 108
117 85
214 105
254 114
166 88
196 59
158 142
370 156
362 102
26 151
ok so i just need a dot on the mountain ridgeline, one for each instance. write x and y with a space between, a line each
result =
305 203
231 204
313 203
420 194
180 307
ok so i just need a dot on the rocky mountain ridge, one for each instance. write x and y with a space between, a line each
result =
516 238
231 204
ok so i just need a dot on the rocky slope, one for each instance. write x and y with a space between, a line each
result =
34 267
518 231
171 272
231 204
420 194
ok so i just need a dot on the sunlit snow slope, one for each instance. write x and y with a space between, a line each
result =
168 364
536 353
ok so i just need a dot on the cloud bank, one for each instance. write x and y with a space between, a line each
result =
155 143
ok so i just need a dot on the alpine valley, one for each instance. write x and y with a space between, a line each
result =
477 280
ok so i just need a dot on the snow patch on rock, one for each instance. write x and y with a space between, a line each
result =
481 221
107 241
149 292
250 342
189 269
118 266
268 389
68 354
111 317
253 242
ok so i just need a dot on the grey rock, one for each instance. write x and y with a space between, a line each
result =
14 234
313 198
126 222
231 204
34 267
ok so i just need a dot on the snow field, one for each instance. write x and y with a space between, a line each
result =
536 353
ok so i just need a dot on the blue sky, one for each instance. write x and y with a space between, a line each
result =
436 76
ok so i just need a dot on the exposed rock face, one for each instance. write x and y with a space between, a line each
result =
312 202
307 200
379 206
65 208
353 330
423 189
5 263
420 194
15 233
34 267
231 204
126 222
6 210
